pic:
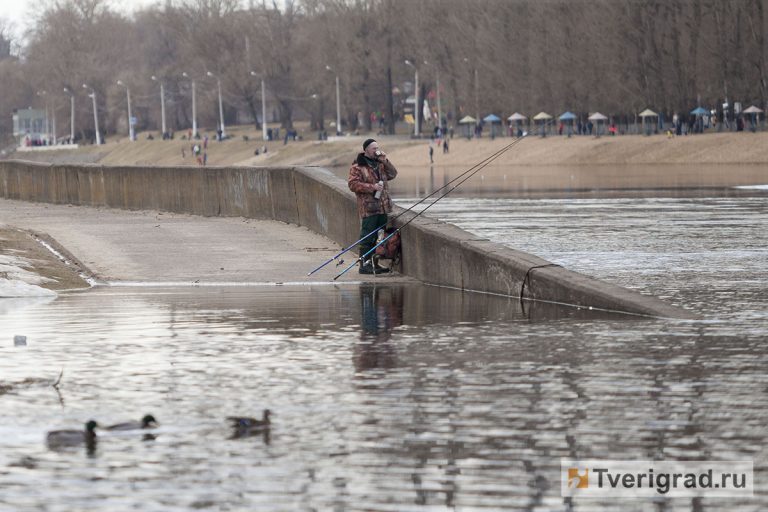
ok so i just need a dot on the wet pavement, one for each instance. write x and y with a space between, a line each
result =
137 247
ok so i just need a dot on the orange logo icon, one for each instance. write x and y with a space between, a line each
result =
576 480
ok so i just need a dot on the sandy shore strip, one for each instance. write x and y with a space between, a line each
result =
534 151
709 148
33 265
121 247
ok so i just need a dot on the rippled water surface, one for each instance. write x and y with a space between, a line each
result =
705 254
403 397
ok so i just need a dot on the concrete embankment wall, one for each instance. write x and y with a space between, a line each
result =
433 252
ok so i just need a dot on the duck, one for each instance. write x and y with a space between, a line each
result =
64 438
148 421
246 423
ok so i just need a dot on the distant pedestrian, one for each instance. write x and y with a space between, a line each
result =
445 146
205 142
205 158
431 152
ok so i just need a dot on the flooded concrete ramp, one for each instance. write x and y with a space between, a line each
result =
433 252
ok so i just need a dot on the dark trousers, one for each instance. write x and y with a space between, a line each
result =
372 223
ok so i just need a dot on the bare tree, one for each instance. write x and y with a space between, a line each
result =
491 56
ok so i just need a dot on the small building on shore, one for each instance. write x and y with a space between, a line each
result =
29 127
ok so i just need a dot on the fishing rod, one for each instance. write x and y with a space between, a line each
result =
383 241
483 162
353 244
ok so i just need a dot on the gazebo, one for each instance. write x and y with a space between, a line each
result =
493 120
568 117
699 113
468 122
518 119
754 114
597 117
541 119
647 113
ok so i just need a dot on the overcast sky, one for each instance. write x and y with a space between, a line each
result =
19 11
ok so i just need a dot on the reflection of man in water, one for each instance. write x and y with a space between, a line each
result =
381 311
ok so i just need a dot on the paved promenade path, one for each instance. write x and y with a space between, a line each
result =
120 246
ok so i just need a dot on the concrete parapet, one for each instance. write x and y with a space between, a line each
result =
433 252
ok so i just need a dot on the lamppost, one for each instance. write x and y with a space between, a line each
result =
477 102
53 120
439 107
95 113
316 96
338 102
194 106
162 103
221 106
131 134
416 96
263 107
477 97
44 94
71 115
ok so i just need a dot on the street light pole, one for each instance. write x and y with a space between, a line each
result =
263 107
477 101
46 121
416 96
221 107
95 113
263 110
338 102
162 104
131 134
439 106
194 106
71 115
338 107
53 121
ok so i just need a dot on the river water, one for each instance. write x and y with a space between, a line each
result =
404 397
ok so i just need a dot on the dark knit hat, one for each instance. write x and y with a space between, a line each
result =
367 143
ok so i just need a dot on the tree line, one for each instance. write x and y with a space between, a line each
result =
490 56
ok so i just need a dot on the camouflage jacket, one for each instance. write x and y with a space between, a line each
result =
362 180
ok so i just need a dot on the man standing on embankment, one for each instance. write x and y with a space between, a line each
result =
368 179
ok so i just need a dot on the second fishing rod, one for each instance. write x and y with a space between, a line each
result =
481 166
482 163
